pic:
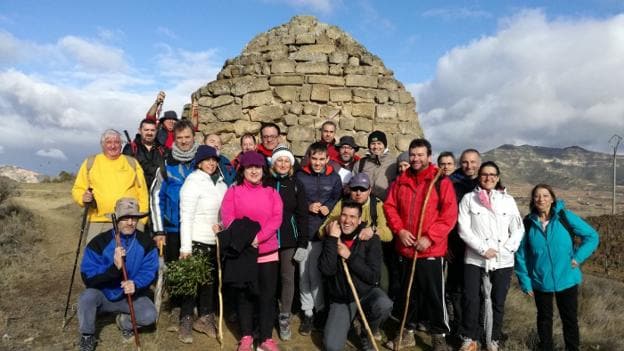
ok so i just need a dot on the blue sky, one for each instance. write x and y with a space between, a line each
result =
484 73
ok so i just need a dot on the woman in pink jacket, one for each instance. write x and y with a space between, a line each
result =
249 198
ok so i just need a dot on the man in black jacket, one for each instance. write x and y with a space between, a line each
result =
364 261
146 150
464 179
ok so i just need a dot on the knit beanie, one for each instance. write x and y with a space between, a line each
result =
377 135
403 157
282 150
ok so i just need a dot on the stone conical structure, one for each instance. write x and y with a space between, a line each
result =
299 75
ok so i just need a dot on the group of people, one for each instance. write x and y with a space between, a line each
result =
290 230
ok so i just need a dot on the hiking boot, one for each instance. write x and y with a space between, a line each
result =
407 341
366 344
493 346
185 332
284 326
306 325
206 324
87 342
422 326
268 345
438 342
469 345
126 334
245 343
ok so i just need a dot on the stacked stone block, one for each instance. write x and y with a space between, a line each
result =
299 75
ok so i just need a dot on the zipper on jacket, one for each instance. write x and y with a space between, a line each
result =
279 234
552 270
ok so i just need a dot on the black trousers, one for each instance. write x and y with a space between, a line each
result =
265 301
427 294
172 248
206 298
500 280
567 303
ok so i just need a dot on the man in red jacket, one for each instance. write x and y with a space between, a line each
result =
403 208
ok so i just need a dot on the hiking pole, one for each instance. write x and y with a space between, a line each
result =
125 277
85 215
357 303
158 291
220 293
397 347
127 136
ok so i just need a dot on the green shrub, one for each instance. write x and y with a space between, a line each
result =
184 277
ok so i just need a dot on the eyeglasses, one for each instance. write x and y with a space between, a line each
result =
359 190
346 147
488 175
269 137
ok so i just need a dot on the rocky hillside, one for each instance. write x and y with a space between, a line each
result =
20 174
570 167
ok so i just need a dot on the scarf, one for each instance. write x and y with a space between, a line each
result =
485 199
184 156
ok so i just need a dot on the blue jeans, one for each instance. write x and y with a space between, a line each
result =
377 307
92 302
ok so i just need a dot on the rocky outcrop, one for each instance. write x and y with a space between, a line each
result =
20 175
299 75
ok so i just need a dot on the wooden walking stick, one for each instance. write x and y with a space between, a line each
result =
220 294
125 277
357 303
397 347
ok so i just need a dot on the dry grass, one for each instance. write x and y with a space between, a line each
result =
601 306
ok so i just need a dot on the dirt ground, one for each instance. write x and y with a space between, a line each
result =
34 291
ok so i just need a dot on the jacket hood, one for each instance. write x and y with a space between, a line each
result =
328 169
411 178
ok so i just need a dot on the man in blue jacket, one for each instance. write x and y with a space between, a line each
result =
165 192
323 189
165 202
102 274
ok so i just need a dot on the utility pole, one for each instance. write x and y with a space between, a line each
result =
614 142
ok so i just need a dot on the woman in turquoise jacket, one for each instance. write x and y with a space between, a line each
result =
548 263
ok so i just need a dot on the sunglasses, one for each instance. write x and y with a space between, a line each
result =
359 189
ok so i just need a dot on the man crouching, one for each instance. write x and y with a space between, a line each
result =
364 261
102 275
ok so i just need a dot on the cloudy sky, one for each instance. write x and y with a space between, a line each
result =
484 73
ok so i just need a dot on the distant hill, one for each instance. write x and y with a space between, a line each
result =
570 167
20 174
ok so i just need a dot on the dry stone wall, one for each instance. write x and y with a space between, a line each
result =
299 75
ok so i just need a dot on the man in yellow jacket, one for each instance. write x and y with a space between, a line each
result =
106 177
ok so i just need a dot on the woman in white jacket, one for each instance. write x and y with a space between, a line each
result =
491 226
200 202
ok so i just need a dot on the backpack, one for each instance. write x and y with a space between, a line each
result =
564 221
373 210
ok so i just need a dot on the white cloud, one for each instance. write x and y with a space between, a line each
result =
83 88
455 13
52 153
93 56
536 81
